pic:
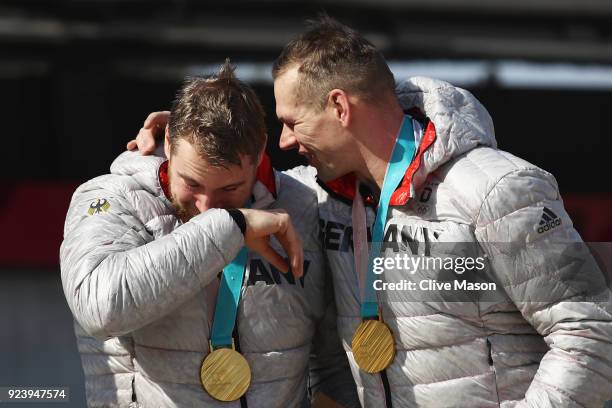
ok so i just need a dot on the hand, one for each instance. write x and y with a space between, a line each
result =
152 130
260 224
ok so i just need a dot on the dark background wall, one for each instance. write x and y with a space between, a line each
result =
77 77
70 125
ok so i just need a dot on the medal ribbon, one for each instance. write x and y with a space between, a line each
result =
360 240
403 153
228 298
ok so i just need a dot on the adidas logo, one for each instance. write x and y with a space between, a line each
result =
549 221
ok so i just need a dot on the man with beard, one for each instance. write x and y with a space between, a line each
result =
157 323
425 158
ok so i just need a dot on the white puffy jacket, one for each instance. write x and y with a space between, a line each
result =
543 338
142 285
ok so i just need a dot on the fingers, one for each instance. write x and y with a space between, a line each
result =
270 255
156 119
152 129
292 245
261 224
146 141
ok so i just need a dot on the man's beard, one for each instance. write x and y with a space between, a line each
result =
183 212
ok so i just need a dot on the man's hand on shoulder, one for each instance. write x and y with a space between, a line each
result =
151 133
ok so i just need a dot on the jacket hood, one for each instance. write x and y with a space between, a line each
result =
143 169
460 120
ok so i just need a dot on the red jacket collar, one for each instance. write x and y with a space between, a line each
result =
265 175
345 186
164 180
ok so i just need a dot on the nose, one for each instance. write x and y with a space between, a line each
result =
287 140
205 202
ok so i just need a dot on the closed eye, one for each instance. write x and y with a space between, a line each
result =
286 122
232 187
190 183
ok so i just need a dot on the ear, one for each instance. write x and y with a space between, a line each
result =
167 143
260 155
339 102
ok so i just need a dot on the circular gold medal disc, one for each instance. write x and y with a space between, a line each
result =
373 346
225 374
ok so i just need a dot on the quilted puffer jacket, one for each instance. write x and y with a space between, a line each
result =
541 337
142 287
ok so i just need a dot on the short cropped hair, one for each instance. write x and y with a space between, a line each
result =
220 116
330 55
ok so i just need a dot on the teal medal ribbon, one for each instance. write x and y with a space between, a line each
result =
228 299
403 153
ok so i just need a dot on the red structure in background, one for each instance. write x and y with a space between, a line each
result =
32 218
591 214
32 221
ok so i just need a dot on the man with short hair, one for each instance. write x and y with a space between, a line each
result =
416 168
142 257
457 187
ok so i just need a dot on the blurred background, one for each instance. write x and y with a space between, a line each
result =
78 78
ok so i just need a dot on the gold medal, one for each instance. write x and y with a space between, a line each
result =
225 374
373 346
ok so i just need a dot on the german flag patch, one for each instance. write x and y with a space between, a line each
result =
99 206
